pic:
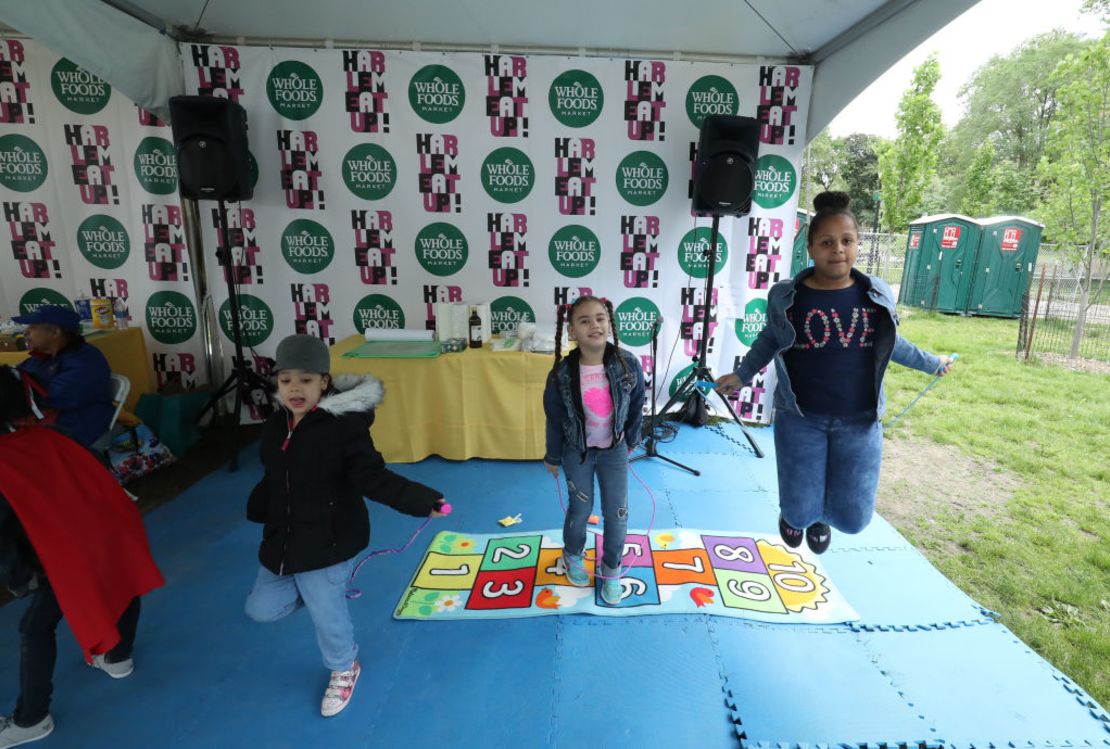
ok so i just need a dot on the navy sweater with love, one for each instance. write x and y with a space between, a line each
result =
832 361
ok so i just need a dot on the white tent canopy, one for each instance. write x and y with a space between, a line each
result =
132 44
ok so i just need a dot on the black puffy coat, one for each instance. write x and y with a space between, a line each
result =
311 498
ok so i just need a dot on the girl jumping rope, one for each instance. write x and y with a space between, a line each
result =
320 462
594 401
831 331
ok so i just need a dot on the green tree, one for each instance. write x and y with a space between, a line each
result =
1076 166
859 168
907 166
1011 101
979 198
820 168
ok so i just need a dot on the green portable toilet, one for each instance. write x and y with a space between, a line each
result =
941 270
907 289
1006 258
800 258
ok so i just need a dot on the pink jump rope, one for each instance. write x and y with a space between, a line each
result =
353 592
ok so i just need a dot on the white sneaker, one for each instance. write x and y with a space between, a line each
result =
339 691
13 735
120 670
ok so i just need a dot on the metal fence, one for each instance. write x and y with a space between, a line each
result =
1050 315
882 255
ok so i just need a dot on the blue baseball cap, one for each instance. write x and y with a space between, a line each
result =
51 314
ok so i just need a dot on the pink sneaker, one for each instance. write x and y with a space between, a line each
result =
339 691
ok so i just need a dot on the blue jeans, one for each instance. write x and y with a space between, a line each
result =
323 593
610 465
828 468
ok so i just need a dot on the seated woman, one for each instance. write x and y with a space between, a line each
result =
76 375
69 534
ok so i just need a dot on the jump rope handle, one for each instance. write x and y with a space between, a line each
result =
444 508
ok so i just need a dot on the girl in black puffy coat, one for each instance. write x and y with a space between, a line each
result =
320 462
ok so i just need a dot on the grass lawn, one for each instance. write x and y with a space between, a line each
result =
1042 559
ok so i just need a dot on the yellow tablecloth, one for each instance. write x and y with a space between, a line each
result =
471 404
125 351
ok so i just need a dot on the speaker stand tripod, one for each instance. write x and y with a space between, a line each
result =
701 374
651 442
242 378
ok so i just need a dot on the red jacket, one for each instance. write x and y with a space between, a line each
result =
84 528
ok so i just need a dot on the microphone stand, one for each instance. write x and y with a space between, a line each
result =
650 440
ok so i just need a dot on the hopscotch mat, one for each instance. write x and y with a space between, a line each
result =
677 571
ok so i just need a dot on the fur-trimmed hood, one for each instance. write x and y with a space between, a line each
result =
357 394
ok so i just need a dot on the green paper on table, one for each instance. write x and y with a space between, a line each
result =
394 350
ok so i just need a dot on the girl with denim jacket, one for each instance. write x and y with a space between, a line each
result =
594 402
831 332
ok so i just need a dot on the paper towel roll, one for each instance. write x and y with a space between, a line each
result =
397 334
451 320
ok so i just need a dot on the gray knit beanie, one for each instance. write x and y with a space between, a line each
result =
303 352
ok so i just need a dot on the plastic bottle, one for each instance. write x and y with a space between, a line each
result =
119 309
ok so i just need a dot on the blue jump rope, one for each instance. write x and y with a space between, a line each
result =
705 386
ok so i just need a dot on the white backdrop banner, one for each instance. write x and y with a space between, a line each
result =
388 181
88 190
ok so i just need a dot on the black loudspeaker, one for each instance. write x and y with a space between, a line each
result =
724 166
210 138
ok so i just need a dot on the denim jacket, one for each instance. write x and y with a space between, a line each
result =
562 402
777 337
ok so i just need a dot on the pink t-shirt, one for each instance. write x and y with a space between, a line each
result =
597 405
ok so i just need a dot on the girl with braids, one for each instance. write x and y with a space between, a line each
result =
594 401
831 332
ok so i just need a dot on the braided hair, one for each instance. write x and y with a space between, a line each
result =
565 313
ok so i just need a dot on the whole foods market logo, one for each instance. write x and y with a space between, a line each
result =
170 317
436 93
378 311
693 252
711 94
635 318
307 246
103 241
508 175
507 312
755 317
642 178
576 98
256 320
77 89
441 249
679 378
22 163
574 251
775 180
294 89
36 298
156 166
369 171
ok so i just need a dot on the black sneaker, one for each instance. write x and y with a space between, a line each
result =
791 535
818 537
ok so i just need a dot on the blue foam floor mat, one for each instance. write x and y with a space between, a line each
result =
924 665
